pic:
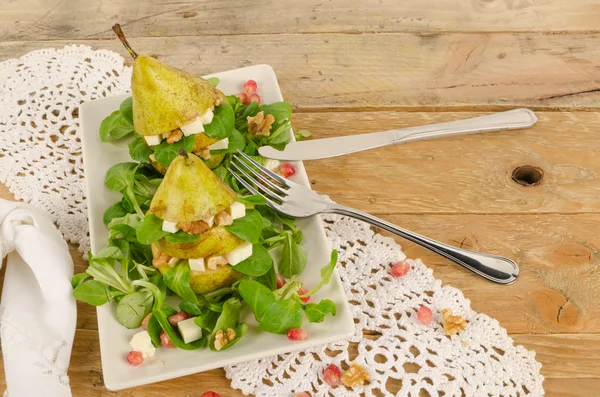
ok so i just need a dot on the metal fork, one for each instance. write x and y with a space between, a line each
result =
293 199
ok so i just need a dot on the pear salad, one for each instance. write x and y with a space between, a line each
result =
185 228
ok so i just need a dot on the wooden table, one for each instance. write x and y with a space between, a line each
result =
353 66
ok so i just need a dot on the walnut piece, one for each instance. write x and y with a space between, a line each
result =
160 260
196 227
223 219
174 136
452 324
204 153
222 339
215 261
260 125
356 375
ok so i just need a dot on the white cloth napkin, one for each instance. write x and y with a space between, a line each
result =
37 311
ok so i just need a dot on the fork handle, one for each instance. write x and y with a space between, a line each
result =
495 268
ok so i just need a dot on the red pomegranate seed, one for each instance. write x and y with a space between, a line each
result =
286 170
254 97
135 358
280 281
165 341
297 334
301 394
145 321
210 394
243 97
424 315
175 318
332 375
250 86
303 291
399 269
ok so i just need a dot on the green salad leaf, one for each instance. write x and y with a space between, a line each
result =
248 227
223 122
178 280
132 308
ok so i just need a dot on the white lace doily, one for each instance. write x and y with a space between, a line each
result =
40 162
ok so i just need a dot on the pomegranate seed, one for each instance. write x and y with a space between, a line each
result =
243 97
210 394
297 334
332 375
301 394
250 86
303 291
165 341
254 97
424 315
135 358
399 269
280 281
175 318
145 321
286 170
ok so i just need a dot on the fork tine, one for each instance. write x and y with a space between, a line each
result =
271 194
262 178
241 180
273 175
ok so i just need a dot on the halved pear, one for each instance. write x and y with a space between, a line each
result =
209 280
201 141
163 97
212 163
190 191
213 242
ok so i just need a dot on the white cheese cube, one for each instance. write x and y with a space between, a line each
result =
271 164
142 343
195 127
207 117
152 157
210 221
237 210
189 331
218 145
153 140
173 261
242 252
169 227
197 265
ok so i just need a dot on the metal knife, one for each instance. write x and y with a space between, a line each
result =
331 147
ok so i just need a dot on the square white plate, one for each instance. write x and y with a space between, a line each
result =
114 338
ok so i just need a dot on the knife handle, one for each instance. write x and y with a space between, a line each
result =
502 121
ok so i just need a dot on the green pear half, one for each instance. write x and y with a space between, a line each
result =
209 280
190 191
213 242
212 163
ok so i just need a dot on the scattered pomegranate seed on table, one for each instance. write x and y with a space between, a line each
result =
280 281
332 375
301 394
177 317
297 334
399 269
165 341
424 315
303 291
135 358
210 394
145 321
286 170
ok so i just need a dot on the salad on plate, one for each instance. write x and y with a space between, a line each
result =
184 231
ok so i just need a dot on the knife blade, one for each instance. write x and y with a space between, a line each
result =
337 146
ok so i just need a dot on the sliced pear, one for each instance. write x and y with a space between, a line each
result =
164 97
202 141
209 280
190 191
213 242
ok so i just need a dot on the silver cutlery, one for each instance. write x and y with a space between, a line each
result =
293 199
331 147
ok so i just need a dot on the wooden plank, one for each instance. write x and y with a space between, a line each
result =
396 71
471 173
86 371
47 20
571 387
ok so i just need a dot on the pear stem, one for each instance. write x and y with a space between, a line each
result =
182 152
117 29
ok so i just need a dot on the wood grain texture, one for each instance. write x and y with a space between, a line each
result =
398 71
45 20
